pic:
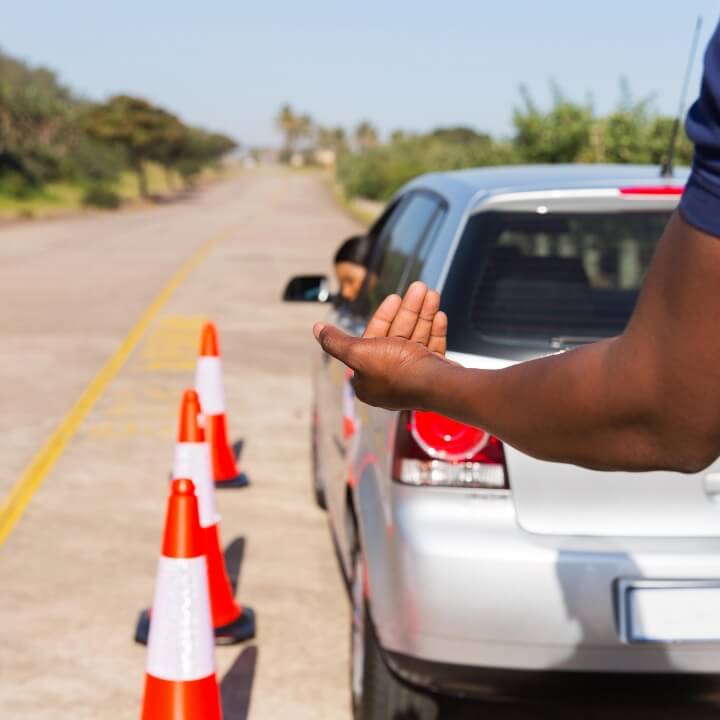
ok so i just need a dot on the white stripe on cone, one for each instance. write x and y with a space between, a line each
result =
181 642
209 385
348 401
192 460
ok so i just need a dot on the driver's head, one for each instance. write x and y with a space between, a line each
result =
350 263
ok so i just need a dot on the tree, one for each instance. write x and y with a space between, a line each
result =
36 119
141 129
560 135
659 141
288 124
201 149
331 139
366 136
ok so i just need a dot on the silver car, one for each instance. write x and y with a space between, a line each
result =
469 562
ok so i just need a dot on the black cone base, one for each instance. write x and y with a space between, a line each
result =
239 481
142 629
241 629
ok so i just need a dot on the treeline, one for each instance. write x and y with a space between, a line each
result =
566 132
304 138
49 134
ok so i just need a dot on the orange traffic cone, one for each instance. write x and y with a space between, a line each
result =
348 405
209 384
231 622
180 682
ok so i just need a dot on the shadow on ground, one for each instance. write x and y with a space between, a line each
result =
237 448
236 685
234 554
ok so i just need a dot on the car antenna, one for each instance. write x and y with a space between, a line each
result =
666 169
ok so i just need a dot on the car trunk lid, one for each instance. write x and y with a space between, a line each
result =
559 499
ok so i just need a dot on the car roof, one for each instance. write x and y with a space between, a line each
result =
461 185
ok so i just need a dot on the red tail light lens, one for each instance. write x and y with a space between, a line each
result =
431 449
652 190
441 437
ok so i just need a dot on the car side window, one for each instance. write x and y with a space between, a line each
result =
415 267
398 244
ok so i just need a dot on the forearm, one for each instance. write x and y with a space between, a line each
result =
646 400
589 407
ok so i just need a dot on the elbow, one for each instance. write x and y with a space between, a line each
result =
695 459
682 426
690 464
687 448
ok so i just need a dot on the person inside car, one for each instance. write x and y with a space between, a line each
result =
648 399
350 264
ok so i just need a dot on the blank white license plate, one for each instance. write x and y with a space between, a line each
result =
670 611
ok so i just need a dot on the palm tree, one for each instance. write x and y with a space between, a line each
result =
287 122
366 136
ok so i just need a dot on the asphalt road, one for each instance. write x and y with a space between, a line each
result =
80 563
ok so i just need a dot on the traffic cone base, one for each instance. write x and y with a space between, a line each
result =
142 628
241 480
239 630
181 699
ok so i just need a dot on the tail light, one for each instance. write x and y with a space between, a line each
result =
652 190
431 449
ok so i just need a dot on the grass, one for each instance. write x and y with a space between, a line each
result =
59 198
363 211
53 198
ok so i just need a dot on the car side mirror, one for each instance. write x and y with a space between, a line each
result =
307 288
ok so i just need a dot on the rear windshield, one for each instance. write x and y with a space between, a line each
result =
524 282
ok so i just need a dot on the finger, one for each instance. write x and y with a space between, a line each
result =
407 316
336 343
383 317
430 307
438 334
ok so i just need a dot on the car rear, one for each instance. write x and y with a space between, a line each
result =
492 559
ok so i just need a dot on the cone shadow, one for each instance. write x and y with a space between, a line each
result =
236 685
237 448
234 554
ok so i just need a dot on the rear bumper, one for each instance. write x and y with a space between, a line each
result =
454 581
563 687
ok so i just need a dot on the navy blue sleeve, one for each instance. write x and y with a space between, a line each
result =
700 203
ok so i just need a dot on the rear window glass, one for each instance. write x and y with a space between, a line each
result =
528 280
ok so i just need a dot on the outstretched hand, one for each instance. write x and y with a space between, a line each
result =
399 357
416 317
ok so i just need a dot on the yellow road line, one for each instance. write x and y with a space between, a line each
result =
13 506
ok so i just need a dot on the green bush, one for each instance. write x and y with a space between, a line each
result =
100 196
16 186
378 172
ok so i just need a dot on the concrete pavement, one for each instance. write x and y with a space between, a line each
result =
80 563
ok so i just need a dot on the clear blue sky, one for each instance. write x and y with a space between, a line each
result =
412 64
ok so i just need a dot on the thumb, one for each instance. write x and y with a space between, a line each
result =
336 343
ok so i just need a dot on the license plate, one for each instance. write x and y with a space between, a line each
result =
669 611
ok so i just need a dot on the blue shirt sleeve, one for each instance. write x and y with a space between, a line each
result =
700 203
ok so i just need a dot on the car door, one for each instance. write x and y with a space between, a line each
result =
330 379
401 238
